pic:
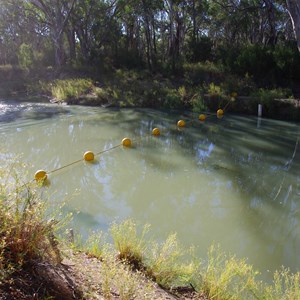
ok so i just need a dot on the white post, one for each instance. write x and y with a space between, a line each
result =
259 111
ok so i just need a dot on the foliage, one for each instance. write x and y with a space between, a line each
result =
200 51
267 96
95 245
27 232
286 285
256 61
199 73
167 266
25 56
241 85
226 277
130 246
68 89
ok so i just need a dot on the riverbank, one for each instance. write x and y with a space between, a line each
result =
199 88
40 257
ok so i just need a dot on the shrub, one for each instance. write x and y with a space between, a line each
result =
198 73
226 277
258 62
200 50
26 233
167 266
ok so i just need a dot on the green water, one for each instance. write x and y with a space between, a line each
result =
234 181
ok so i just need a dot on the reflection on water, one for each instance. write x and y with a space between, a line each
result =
231 181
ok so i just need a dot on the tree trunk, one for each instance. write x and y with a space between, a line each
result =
294 12
72 44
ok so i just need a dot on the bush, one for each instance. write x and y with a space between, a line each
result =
199 73
26 233
287 61
199 51
267 99
167 266
258 62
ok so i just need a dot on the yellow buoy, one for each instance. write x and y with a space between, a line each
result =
40 175
88 156
202 117
126 142
181 123
156 131
220 112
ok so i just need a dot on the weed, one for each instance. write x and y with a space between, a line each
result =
286 285
96 244
24 232
226 277
130 246
64 90
166 264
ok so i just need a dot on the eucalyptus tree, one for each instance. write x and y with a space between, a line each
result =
15 29
178 18
55 15
294 12
90 24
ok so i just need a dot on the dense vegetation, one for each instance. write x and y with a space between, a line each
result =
167 54
248 38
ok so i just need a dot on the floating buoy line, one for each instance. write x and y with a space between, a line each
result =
41 175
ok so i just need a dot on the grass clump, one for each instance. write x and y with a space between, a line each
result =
167 266
130 246
286 285
25 234
164 262
226 277
64 90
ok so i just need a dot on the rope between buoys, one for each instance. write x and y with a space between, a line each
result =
65 166
136 139
109 149
79 160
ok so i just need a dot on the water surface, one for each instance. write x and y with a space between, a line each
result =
234 181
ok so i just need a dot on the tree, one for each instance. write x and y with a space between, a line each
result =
294 12
55 14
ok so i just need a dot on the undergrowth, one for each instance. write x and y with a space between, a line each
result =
220 276
27 229
64 90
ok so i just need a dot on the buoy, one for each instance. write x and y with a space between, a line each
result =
88 156
40 175
181 123
156 131
202 117
220 116
126 142
220 112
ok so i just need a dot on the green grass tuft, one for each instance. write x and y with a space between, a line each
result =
25 233
130 246
64 90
